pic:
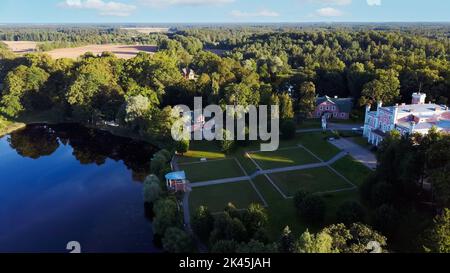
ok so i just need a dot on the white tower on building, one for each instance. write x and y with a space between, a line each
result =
418 98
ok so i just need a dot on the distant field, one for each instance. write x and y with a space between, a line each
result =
21 47
121 51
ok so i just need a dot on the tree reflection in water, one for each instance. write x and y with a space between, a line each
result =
89 146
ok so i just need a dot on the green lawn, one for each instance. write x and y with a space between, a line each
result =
283 158
361 141
311 180
354 171
318 144
310 124
334 200
211 170
216 198
282 212
202 149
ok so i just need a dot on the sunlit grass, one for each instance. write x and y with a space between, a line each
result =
283 158
272 158
311 180
216 198
193 156
211 170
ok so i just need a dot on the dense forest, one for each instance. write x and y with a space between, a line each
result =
52 37
287 66
367 64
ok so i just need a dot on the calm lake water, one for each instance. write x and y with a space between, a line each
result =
67 183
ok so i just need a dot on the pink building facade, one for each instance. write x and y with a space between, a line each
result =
417 117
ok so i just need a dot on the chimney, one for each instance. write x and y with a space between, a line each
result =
395 113
380 104
418 98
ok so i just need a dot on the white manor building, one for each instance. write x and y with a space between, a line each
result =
418 117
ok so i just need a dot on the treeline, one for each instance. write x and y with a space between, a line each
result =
57 37
244 231
265 67
373 64
138 93
366 62
410 191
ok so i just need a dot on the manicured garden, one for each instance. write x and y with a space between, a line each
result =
283 158
282 211
311 180
318 144
352 170
211 170
217 197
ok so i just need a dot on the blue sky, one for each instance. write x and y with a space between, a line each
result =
164 11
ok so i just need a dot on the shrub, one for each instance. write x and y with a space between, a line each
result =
349 213
203 223
166 215
288 129
386 219
224 246
152 189
182 146
177 241
312 209
227 144
299 197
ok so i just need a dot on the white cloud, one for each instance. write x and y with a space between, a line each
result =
330 2
104 8
261 13
374 2
329 12
159 3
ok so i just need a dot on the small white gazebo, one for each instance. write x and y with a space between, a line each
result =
177 182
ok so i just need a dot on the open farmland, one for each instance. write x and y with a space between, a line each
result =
121 51
21 47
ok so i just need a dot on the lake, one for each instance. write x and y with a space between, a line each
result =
62 183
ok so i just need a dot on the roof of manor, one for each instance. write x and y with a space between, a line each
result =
344 104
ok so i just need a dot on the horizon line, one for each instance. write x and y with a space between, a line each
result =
231 23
